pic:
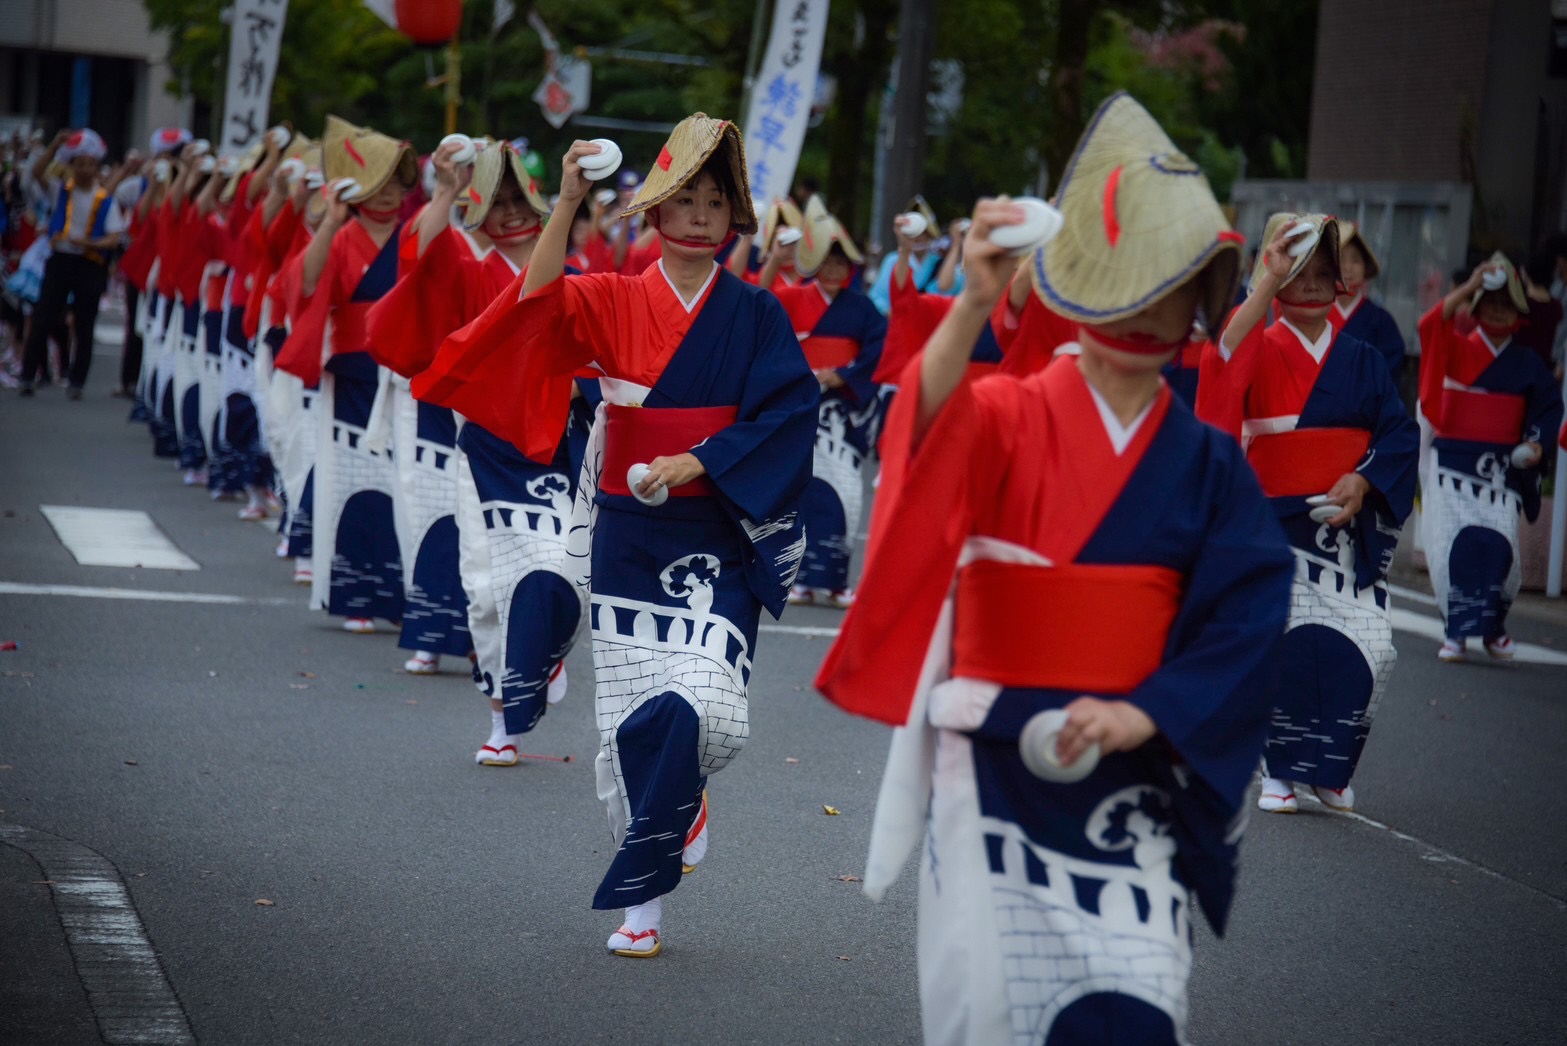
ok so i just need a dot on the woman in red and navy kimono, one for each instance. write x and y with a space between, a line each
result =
278 232
1107 574
841 333
1323 427
512 511
1354 313
689 507
349 265
1492 405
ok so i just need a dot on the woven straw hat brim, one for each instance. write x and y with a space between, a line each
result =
488 170
1514 288
1139 220
816 241
782 213
691 143
368 157
1348 233
247 163
1328 239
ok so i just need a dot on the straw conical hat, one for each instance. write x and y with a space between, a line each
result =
783 213
1514 284
693 140
820 231
297 146
1323 227
368 157
1348 233
488 167
1139 220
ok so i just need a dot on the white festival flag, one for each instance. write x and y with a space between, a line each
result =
781 100
256 33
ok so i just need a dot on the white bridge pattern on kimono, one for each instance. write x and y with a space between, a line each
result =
501 542
837 462
1456 500
1057 949
642 649
1323 593
345 466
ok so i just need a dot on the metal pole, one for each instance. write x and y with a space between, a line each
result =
753 59
453 83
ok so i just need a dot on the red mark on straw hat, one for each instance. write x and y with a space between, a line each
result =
473 194
1112 223
664 159
533 186
348 147
1231 236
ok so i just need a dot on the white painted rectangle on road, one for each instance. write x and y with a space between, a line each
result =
112 537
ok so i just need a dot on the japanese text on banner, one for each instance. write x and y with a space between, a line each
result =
781 102
256 35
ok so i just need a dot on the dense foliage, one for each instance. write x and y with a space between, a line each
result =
1230 79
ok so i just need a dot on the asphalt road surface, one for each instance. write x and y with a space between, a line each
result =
222 746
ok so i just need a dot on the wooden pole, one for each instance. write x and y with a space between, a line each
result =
453 83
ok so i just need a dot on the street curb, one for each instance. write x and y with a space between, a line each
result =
130 996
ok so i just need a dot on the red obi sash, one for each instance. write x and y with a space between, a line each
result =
1306 461
1481 417
1096 629
828 353
351 326
635 435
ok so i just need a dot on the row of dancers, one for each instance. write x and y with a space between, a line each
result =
1088 614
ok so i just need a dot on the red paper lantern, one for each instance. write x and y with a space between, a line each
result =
429 21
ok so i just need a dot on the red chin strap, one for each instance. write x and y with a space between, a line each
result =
379 216
698 244
518 237
1499 334
1137 344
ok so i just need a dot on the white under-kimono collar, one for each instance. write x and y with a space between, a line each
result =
689 305
1347 311
1495 347
1318 348
1120 435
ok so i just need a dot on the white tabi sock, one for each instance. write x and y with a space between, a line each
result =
498 735
649 916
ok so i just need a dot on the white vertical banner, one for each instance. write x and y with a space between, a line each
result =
256 34
781 99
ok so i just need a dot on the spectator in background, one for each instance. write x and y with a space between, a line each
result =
1540 328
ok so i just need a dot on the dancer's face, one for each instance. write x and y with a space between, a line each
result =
510 214
698 213
1352 266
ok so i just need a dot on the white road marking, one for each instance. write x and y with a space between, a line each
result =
1431 628
1413 596
129 994
111 537
1433 852
14 588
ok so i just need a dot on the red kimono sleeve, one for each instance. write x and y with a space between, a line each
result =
1030 339
1437 337
136 262
510 370
302 353
433 297
913 319
1222 384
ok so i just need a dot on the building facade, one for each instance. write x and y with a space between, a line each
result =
94 63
